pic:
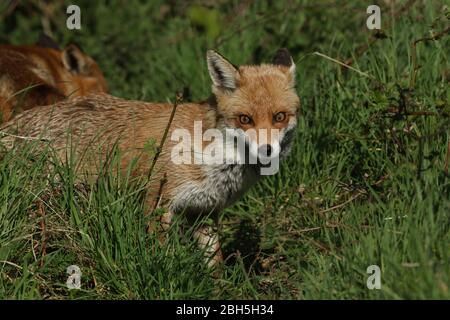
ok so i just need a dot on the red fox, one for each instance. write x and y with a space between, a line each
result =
36 75
258 98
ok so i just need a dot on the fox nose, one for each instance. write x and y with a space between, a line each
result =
265 150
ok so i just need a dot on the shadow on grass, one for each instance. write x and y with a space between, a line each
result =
245 244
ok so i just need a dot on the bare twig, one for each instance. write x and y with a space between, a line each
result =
416 113
414 69
363 48
354 197
343 64
178 99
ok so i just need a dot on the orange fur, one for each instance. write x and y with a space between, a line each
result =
97 122
32 76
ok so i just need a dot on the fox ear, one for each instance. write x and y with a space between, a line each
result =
222 72
74 59
283 58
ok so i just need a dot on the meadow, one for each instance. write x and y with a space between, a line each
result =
367 182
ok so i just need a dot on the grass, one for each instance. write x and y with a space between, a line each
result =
366 183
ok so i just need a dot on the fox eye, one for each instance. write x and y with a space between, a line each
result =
280 117
244 119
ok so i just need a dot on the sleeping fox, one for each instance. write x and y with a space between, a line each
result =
257 99
36 75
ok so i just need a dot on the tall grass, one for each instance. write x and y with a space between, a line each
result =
365 184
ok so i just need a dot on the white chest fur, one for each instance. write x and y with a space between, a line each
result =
222 186
223 183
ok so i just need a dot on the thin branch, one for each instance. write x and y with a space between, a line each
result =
178 99
397 111
343 64
363 48
354 197
414 69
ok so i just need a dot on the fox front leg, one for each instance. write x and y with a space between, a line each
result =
205 235
166 220
208 240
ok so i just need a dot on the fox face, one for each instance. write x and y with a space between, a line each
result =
259 101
